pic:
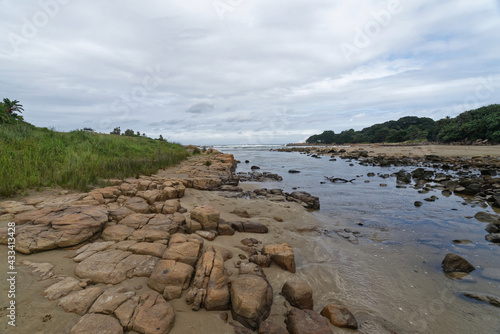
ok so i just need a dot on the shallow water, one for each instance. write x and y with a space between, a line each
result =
394 273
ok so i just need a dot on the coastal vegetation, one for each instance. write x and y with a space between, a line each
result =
482 123
33 157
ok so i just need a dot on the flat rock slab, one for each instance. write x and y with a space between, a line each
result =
97 323
62 288
114 266
80 301
249 227
56 228
110 300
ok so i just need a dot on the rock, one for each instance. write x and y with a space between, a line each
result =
171 206
147 248
261 260
183 249
208 235
152 196
206 183
207 216
494 237
312 202
136 220
117 233
138 205
169 273
114 266
298 294
249 227
79 302
63 227
491 228
493 300
254 167
44 270
97 323
225 229
125 312
240 213
339 316
462 242
251 300
110 300
153 314
278 219
62 288
418 204
293 171
210 287
456 263
306 322
251 269
282 255
90 249
268 327
192 226
119 214
488 172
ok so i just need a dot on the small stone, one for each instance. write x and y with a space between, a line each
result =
456 263
339 316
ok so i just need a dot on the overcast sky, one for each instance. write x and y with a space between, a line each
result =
246 71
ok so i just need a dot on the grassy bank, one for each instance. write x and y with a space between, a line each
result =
32 157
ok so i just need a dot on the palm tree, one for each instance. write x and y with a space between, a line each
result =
12 106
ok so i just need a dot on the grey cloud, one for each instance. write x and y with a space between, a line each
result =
200 108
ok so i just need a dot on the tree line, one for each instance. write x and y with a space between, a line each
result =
482 123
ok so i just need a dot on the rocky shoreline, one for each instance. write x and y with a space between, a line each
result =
191 250
140 229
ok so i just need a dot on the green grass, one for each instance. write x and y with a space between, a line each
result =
33 158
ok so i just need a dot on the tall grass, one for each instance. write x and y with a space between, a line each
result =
32 157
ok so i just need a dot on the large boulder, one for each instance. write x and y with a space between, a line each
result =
184 249
62 288
281 254
170 278
306 322
207 216
251 300
97 323
138 205
455 263
210 288
299 294
339 316
153 314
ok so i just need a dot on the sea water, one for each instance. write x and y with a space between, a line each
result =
392 271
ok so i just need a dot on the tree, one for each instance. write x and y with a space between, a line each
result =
116 131
161 138
12 106
129 132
